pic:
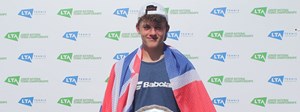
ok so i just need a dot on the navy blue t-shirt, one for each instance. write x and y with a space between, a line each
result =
153 89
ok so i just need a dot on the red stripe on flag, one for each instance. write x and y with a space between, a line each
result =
122 100
107 102
193 97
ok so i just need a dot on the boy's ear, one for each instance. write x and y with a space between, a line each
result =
137 28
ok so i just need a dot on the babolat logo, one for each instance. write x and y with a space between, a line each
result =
67 57
219 11
259 101
216 80
67 101
173 35
115 35
219 101
216 34
28 101
259 56
26 13
66 12
71 35
276 80
13 36
219 56
120 56
14 80
27 57
71 80
123 12
276 34
260 11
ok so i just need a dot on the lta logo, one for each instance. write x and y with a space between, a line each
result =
278 80
28 101
27 57
66 12
71 35
66 57
219 56
14 80
67 101
261 11
219 101
259 101
114 35
259 56
13 36
26 13
123 12
173 35
120 56
276 34
216 80
71 80
216 34
219 11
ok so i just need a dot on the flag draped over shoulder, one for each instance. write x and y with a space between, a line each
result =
188 89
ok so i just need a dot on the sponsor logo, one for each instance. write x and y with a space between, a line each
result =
279 34
154 84
219 80
28 101
73 80
75 34
263 11
28 13
222 56
221 11
279 80
69 101
28 57
220 34
15 80
69 57
69 12
263 56
123 12
120 56
16 35
263 101
116 35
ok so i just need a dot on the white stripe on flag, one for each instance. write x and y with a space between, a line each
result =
184 79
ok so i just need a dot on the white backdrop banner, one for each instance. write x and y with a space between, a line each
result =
56 55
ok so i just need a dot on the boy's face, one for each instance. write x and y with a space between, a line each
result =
152 33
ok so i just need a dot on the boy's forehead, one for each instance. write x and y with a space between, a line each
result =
152 23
